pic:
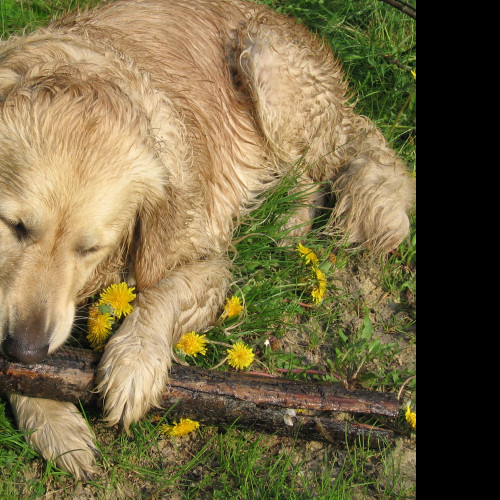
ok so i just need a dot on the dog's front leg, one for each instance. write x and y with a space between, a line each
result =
133 371
57 431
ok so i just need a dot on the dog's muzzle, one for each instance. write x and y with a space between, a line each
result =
27 354
26 342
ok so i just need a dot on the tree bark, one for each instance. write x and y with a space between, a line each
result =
285 407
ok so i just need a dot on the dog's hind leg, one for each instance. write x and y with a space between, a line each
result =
58 432
374 190
300 96
292 81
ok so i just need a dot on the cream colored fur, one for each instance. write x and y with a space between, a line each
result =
132 138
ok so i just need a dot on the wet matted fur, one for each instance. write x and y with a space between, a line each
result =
132 137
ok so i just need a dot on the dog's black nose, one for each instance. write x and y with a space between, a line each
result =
27 354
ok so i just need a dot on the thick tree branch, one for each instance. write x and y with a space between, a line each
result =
281 406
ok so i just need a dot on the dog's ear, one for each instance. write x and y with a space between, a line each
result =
8 80
156 228
163 215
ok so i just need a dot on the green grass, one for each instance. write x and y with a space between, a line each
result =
361 336
17 16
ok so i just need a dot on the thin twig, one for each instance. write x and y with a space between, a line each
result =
399 64
408 9
220 364
403 386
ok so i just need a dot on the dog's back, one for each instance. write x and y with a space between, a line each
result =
250 110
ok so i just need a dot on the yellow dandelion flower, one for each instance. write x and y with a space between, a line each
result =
411 418
319 289
119 298
185 426
99 327
309 256
240 356
192 343
232 308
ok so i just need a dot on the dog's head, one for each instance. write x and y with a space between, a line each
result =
77 170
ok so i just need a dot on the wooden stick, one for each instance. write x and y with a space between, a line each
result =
67 375
189 382
281 406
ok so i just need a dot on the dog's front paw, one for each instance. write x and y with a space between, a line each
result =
58 432
132 375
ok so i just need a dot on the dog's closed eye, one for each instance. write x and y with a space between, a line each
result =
87 251
18 228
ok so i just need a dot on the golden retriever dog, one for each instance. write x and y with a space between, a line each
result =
132 138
